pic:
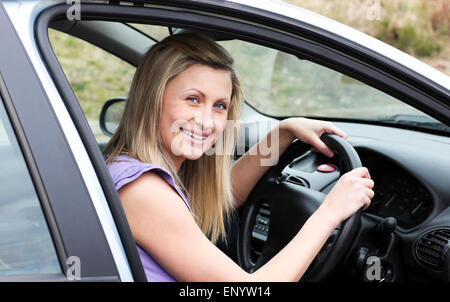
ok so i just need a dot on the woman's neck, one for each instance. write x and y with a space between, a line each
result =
176 161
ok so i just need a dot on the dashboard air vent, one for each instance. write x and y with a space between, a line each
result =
296 180
431 248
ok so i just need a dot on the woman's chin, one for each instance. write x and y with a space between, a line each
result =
192 153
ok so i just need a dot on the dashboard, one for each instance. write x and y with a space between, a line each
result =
411 171
398 193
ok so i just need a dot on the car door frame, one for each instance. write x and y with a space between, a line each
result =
67 206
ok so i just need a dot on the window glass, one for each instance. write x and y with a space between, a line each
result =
153 31
94 75
26 245
280 84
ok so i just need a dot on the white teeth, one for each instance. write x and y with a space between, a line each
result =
200 137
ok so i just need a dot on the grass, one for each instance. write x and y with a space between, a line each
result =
418 27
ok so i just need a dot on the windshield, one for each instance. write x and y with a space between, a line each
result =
280 84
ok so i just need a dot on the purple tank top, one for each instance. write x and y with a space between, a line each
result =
124 170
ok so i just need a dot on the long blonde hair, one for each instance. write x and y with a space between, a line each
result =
206 181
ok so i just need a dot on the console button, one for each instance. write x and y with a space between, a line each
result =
326 168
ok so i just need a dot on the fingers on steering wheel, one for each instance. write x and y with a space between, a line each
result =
362 172
368 182
321 147
331 128
367 203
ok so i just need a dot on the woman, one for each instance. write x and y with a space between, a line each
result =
176 193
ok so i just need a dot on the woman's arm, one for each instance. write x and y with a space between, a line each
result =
247 171
163 226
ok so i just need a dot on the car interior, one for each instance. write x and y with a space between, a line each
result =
406 151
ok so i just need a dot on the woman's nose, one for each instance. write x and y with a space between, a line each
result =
205 119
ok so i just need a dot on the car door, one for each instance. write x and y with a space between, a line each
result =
346 57
50 230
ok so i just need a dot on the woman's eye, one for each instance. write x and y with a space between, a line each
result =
192 99
221 106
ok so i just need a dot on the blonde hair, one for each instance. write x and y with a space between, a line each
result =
206 181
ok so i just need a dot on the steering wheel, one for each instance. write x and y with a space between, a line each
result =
290 206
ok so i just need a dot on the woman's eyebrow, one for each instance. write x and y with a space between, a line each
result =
195 89
203 95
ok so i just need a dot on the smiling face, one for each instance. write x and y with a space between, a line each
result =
194 112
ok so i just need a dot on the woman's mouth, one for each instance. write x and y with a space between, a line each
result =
195 137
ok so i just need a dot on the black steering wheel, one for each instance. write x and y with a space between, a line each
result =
290 206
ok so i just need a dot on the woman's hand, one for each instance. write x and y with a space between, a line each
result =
309 131
352 192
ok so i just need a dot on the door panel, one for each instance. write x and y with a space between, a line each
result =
68 208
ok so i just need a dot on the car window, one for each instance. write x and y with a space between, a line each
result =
280 84
274 83
26 245
157 33
94 75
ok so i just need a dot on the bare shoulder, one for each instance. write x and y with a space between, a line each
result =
148 184
150 201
